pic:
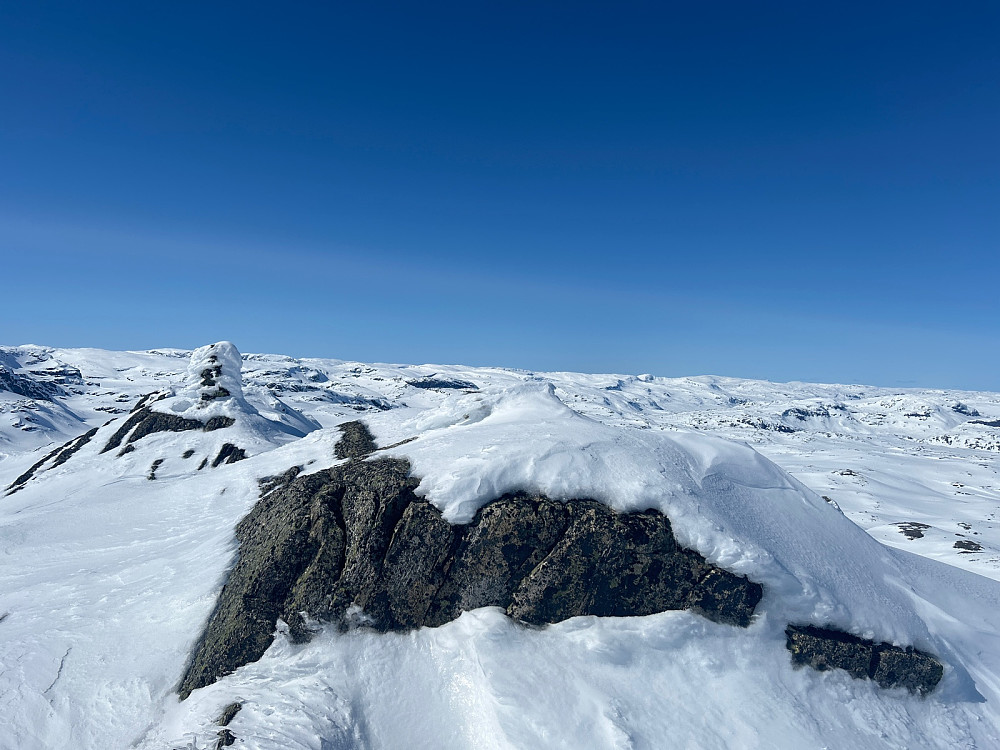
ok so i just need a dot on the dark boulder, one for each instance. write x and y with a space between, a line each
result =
434 383
229 454
890 666
354 545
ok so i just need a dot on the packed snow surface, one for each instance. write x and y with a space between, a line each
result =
109 576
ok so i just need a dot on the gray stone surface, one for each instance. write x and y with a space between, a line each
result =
890 666
145 421
59 456
353 545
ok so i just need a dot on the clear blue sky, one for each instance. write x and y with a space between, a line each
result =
781 190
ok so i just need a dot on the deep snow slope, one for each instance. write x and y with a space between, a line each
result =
108 575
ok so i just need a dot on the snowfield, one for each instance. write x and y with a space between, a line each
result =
869 509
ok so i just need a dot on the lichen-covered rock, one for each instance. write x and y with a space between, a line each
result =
505 541
355 441
823 649
915 670
890 666
354 545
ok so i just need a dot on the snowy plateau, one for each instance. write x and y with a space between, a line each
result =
123 476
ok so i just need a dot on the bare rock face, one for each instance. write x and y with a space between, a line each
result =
890 666
56 458
353 545
145 422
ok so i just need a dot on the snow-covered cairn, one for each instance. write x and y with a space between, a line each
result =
210 399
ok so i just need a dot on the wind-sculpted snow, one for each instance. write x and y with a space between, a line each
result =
108 577
353 545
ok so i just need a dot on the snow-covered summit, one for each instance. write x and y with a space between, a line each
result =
215 372
114 558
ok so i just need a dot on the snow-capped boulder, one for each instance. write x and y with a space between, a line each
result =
354 545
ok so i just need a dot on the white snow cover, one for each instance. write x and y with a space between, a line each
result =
187 401
108 577
723 499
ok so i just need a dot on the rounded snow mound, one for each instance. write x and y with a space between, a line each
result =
215 371
725 500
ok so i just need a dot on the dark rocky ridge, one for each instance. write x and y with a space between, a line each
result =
890 666
144 421
432 382
353 545
24 385
60 455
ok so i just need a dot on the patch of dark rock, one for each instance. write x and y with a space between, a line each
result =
203 464
404 441
269 484
226 739
24 385
964 410
357 403
188 453
145 422
967 546
228 714
127 449
229 454
59 456
60 374
149 398
355 441
209 374
987 423
890 666
219 392
761 424
912 529
72 447
432 382
353 543
802 414
152 469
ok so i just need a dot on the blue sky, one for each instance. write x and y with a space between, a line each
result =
774 190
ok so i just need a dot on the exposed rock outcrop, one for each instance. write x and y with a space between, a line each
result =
58 457
145 422
890 666
229 454
354 545
25 385
432 382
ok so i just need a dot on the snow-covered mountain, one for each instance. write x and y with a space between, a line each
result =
127 472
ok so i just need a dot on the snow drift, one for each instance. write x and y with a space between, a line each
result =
109 577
